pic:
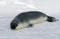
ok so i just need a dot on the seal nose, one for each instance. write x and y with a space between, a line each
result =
13 26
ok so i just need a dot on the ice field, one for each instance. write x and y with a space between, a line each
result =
44 30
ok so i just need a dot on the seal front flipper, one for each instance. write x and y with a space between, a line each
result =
30 25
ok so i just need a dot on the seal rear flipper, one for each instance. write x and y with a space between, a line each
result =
51 19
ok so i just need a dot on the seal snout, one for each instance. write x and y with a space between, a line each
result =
13 25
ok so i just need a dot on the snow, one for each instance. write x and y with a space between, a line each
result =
44 30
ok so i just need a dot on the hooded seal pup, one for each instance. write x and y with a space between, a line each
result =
30 18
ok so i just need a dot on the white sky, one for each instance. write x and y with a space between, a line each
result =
13 7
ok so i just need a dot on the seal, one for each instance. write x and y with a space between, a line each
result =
30 18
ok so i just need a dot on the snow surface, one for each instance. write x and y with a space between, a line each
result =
44 30
40 31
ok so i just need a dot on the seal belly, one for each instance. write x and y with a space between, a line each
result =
38 20
22 25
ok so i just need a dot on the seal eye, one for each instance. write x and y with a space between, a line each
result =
13 25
